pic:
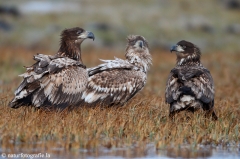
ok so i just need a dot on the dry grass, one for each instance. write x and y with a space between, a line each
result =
141 121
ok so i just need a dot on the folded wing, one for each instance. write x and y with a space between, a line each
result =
196 81
51 81
172 92
202 86
113 82
111 64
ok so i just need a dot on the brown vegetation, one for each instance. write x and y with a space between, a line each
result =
142 120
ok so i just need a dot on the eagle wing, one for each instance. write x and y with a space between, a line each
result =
193 81
111 64
202 85
114 82
57 81
172 87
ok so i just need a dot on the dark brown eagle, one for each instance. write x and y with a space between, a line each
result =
189 85
57 80
116 81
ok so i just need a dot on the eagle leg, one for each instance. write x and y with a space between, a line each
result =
190 109
172 113
211 114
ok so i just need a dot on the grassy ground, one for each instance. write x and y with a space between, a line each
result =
141 121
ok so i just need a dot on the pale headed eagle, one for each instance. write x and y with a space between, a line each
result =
57 80
116 81
189 85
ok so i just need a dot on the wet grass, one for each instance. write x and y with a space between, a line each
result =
141 121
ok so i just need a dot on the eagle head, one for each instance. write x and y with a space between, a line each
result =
71 40
187 52
137 52
76 35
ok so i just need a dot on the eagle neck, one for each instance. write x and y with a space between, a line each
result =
71 50
139 59
142 64
189 60
188 63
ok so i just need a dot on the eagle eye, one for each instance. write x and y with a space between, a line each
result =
79 32
133 42
184 47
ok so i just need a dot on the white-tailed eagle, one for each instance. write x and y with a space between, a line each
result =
57 80
190 85
116 81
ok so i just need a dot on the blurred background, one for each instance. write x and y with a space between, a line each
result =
30 27
211 24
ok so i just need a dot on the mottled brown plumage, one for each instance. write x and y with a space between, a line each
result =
116 81
55 81
190 85
71 40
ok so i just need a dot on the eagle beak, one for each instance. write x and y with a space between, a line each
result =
87 34
141 44
91 35
173 48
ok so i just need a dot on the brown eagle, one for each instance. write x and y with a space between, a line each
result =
189 85
116 81
57 80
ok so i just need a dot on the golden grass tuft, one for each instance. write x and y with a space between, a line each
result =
141 121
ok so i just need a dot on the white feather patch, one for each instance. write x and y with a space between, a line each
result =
187 99
22 94
90 97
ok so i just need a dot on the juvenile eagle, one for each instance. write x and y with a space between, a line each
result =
57 80
116 81
189 85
